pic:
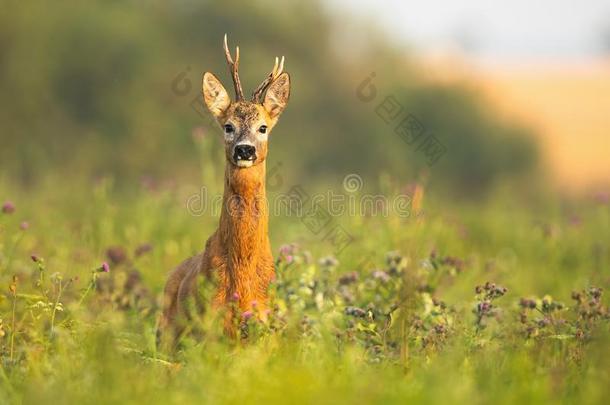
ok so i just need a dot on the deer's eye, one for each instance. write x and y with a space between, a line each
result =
263 129
229 128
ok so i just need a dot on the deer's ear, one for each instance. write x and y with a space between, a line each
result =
214 94
277 95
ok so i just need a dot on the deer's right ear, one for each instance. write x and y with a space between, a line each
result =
214 94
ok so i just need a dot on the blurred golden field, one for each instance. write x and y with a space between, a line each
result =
566 103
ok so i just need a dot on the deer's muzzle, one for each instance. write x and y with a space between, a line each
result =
244 155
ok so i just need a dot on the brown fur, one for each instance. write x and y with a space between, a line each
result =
238 255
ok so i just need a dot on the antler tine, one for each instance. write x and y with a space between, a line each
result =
274 71
227 53
258 94
281 69
233 68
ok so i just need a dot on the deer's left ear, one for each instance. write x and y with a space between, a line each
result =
277 95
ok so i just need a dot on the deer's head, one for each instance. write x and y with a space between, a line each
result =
247 124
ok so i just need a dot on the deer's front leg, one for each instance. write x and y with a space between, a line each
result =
170 324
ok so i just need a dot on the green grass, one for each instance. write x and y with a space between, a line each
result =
99 345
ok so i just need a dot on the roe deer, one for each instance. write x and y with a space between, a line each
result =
238 254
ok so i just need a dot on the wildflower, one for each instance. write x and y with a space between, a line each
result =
142 249
104 268
247 315
116 254
491 290
484 307
348 278
24 226
381 276
35 258
355 311
346 294
393 259
235 296
546 304
439 303
595 292
254 304
8 207
329 261
454 262
287 253
287 249
527 303
418 324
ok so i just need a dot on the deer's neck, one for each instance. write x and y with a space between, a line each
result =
244 227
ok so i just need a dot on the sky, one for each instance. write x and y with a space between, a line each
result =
493 29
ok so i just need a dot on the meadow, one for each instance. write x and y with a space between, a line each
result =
494 303
485 282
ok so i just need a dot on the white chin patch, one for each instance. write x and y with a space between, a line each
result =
244 163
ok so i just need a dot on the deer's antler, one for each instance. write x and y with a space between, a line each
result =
259 93
233 68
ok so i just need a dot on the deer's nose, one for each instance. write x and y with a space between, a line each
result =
244 152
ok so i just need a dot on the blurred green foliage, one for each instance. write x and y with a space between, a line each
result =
90 88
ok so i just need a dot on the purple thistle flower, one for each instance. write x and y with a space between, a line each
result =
247 315
381 276
527 303
289 249
235 296
105 268
348 278
116 254
24 226
484 307
254 303
329 261
143 248
35 258
8 207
